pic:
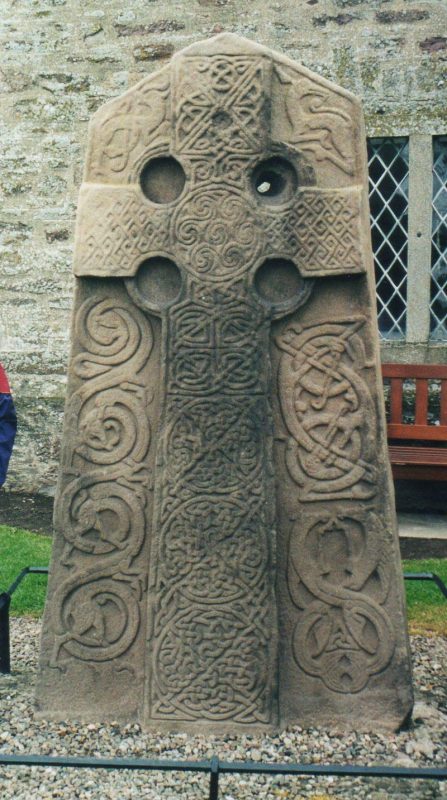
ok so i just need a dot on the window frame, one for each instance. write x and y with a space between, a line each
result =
417 344
389 276
438 330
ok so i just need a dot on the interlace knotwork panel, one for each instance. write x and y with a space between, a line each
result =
117 231
221 105
321 231
214 606
328 411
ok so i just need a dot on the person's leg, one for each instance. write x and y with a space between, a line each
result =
8 427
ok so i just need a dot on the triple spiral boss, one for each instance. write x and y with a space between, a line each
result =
226 553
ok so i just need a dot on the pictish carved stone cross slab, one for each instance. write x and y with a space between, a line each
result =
226 551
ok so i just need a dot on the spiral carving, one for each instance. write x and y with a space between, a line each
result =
102 518
101 508
110 429
213 230
99 617
111 334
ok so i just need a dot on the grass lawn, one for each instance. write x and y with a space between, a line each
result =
427 608
18 549
426 605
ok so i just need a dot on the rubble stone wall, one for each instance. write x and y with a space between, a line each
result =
62 59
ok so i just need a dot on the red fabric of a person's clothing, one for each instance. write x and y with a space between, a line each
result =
4 385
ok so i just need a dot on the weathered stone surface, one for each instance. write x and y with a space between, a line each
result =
391 17
226 552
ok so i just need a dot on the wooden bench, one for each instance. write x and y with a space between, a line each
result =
422 460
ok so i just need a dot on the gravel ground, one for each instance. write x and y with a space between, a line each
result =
424 745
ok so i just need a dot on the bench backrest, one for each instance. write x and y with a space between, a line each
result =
421 374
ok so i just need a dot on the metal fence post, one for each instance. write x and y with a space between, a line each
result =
5 661
214 778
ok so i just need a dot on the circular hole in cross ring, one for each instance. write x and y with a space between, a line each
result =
157 283
274 180
162 179
279 283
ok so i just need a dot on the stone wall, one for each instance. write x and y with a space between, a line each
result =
62 59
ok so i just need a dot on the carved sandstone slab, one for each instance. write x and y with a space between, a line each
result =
226 552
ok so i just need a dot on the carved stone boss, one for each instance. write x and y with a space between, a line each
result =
225 548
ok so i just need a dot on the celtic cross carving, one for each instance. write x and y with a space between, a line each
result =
223 555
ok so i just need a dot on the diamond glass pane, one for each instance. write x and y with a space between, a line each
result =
388 201
438 289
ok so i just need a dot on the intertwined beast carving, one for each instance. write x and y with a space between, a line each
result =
329 411
344 635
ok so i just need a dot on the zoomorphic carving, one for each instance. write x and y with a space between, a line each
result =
328 410
99 617
101 507
320 122
344 635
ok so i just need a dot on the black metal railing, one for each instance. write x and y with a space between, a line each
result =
5 603
215 768
427 576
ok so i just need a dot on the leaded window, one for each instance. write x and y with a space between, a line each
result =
438 286
388 161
